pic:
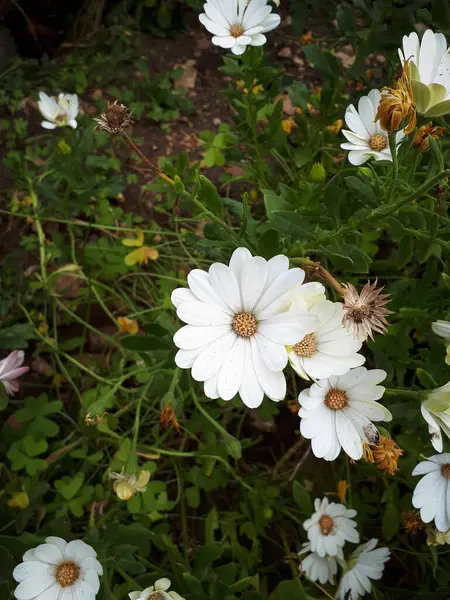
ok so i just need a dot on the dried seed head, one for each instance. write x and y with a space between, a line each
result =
114 119
412 522
167 418
326 524
365 313
421 138
397 109
386 454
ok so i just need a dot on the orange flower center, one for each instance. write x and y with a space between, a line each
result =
155 596
378 142
326 524
445 470
307 347
67 573
236 30
336 399
244 324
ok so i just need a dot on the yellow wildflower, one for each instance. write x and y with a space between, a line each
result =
336 127
126 486
143 253
19 500
288 125
306 38
341 491
127 325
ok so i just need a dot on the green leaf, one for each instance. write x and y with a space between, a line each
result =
33 447
364 190
193 497
144 343
324 62
209 196
404 253
288 589
193 583
68 487
16 337
390 522
425 379
302 497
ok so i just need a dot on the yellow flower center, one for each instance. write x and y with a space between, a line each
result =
445 470
236 30
244 324
326 524
336 399
307 347
155 596
67 573
378 142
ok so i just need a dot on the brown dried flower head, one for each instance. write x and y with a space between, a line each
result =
421 138
397 108
168 417
365 313
412 523
386 454
114 119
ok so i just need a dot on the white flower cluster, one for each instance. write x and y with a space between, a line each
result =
245 321
328 529
430 79
60 570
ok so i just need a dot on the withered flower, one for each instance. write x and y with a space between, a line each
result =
168 418
114 119
436 537
126 485
365 313
412 523
421 138
397 108
386 454
367 454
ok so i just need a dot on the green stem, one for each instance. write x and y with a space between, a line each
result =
394 173
252 115
404 393
41 235
349 482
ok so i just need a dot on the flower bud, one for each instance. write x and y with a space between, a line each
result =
317 173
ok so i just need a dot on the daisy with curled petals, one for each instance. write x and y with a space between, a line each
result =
236 24
329 348
435 410
429 62
58 570
365 138
432 493
365 563
319 568
329 527
365 313
11 369
159 591
58 111
338 413
238 326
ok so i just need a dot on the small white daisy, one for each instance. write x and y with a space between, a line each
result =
329 527
328 349
429 62
365 563
436 412
236 24
338 413
432 493
238 326
58 570
58 111
159 591
366 138
319 568
11 369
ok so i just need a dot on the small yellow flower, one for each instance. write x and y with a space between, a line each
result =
127 325
421 138
336 127
126 486
19 500
142 254
341 491
298 110
288 125
306 38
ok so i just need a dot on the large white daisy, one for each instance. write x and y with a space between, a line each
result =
364 564
432 493
236 24
329 527
429 62
319 568
365 138
238 325
58 111
436 412
58 570
159 591
328 349
338 413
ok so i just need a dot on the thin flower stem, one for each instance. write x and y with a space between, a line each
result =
323 590
349 481
254 126
405 393
321 272
144 159
394 173
41 235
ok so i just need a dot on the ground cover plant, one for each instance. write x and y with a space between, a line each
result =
224 330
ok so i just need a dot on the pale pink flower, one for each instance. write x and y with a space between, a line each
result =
11 370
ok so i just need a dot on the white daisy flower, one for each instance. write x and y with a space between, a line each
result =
236 24
329 527
319 568
159 591
338 413
435 410
365 138
58 111
238 325
429 62
365 563
11 369
328 349
432 493
58 570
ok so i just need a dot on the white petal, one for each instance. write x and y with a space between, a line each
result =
49 553
48 125
162 584
256 12
210 360
200 313
51 593
258 39
186 358
92 563
251 392
78 550
367 114
192 336
200 285
238 50
276 266
273 383
271 22
226 41
31 588
253 281
282 286
354 122
181 295
92 579
225 285
212 26
210 387
232 371
425 467
348 436
31 568
287 328
274 355
237 261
